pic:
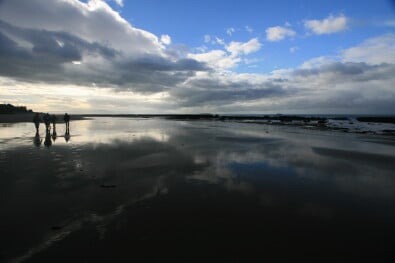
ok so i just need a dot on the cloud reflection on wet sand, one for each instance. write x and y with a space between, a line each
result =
193 181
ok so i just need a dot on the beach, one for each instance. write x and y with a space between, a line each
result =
157 189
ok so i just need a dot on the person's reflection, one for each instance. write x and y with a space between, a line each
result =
48 141
37 140
67 136
53 120
36 121
54 134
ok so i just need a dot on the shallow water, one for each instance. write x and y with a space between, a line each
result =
123 189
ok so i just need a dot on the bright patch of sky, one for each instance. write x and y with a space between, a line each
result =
341 24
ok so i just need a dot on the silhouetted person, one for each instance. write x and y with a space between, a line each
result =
47 121
36 121
48 141
53 120
37 140
66 119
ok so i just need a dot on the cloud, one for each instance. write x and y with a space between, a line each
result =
216 59
216 90
354 81
228 58
165 39
207 38
219 41
336 71
317 62
230 31
278 33
40 55
236 48
329 25
89 46
389 23
375 50
249 29
101 24
119 2
106 51
293 49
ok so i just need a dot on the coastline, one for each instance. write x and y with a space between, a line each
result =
383 125
28 117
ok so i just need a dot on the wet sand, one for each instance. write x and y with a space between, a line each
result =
133 189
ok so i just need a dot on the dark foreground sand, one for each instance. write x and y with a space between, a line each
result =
156 190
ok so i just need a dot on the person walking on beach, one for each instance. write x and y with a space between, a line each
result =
36 121
47 121
53 120
66 119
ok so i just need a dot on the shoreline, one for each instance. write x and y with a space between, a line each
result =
28 117
360 125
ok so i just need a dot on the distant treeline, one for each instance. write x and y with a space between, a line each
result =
9 108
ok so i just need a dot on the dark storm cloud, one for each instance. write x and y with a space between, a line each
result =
333 87
38 55
48 56
357 71
157 63
214 92
155 73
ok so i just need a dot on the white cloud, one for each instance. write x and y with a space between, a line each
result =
219 41
346 83
374 51
165 39
293 49
221 60
236 48
201 49
101 24
250 61
207 38
278 33
329 25
249 29
218 59
119 2
389 23
230 31
317 62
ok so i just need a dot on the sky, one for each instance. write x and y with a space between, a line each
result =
240 57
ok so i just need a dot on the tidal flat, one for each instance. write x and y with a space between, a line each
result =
160 190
